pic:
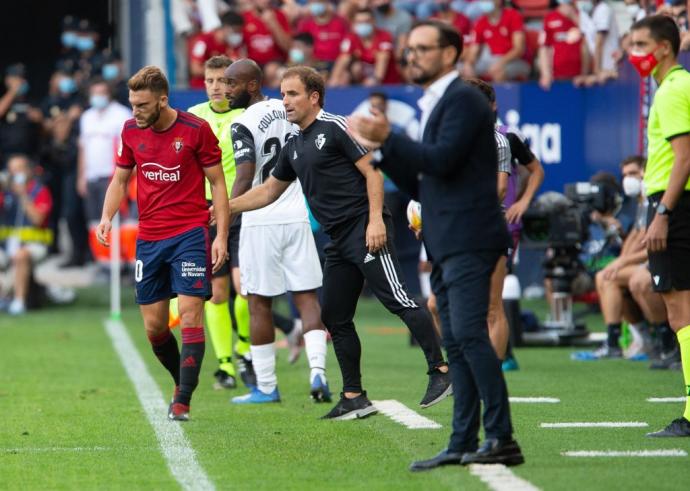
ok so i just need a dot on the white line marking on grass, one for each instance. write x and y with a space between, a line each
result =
176 449
626 453
499 478
534 400
402 414
53 449
666 399
599 424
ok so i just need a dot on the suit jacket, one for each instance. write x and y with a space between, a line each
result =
452 172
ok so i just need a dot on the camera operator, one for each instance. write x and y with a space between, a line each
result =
24 235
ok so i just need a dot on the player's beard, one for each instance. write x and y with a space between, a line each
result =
241 101
424 77
153 118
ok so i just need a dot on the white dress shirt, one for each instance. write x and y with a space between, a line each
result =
431 96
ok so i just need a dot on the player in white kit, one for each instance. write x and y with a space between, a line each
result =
277 250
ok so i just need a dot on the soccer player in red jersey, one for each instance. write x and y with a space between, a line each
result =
173 151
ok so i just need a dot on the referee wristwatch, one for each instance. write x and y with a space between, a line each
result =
662 209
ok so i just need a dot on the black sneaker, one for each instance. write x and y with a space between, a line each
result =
666 360
439 388
246 369
224 380
678 427
358 408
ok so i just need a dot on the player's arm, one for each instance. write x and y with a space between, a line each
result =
245 159
259 196
219 196
504 166
376 229
117 190
526 158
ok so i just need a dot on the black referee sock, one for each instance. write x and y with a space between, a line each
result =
667 337
193 346
166 350
614 334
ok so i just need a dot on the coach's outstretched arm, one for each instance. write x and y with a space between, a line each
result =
258 197
117 190
219 196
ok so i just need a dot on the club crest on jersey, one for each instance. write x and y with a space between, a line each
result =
178 144
320 141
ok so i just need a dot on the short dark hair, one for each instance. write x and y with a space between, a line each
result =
304 37
100 81
606 179
217 62
634 159
447 35
149 78
661 28
231 18
484 87
312 80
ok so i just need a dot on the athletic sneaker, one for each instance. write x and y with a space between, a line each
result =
319 389
255 396
678 427
510 365
294 339
246 369
668 360
604 352
178 412
224 380
439 388
358 408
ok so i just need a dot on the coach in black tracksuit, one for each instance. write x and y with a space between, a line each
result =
342 189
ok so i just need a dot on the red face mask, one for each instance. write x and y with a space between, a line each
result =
644 64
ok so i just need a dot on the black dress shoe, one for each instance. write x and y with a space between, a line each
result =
443 458
494 451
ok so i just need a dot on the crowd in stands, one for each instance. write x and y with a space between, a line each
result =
363 41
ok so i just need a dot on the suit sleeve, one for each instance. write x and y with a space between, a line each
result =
243 144
456 134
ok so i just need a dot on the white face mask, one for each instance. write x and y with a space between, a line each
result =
632 186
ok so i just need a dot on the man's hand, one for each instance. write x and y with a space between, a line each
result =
13 83
611 271
376 234
468 71
545 81
515 212
657 234
417 232
369 131
81 187
219 253
103 231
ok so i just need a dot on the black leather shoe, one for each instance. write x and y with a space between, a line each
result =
493 451
443 458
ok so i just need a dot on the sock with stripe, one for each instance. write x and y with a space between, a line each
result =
220 328
684 341
191 356
165 348
241 308
315 346
264 361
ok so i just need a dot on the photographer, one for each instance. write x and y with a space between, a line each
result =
24 234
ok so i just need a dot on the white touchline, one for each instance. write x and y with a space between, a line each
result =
667 399
402 414
598 424
626 453
534 400
499 478
176 449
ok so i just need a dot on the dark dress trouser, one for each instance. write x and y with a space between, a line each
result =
461 284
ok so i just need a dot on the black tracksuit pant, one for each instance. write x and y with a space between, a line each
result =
348 264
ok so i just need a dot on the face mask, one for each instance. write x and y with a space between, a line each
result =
110 71
585 5
317 9
363 30
633 10
644 64
67 85
19 178
99 101
632 186
564 2
85 43
484 6
384 8
234 39
242 101
297 56
69 39
23 88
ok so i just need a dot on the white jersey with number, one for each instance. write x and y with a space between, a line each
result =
258 136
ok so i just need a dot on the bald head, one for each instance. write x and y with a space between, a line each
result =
244 70
243 83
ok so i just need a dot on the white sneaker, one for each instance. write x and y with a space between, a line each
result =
16 307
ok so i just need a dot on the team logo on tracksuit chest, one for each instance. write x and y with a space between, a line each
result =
320 141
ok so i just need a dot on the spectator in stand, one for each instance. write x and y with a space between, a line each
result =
563 53
301 53
678 10
421 9
68 39
327 30
347 9
113 72
461 23
224 40
397 22
99 137
87 46
598 24
266 33
24 232
366 55
19 120
499 46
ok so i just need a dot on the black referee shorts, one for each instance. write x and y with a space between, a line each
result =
233 248
670 269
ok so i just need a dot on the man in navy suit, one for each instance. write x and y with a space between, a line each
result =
452 171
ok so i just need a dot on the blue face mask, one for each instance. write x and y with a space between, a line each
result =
363 30
297 56
85 43
110 71
99 101
317 9
67 85
23 88
585 5
69 39
564 2
485 6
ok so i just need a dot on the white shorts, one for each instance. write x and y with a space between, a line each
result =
275 259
